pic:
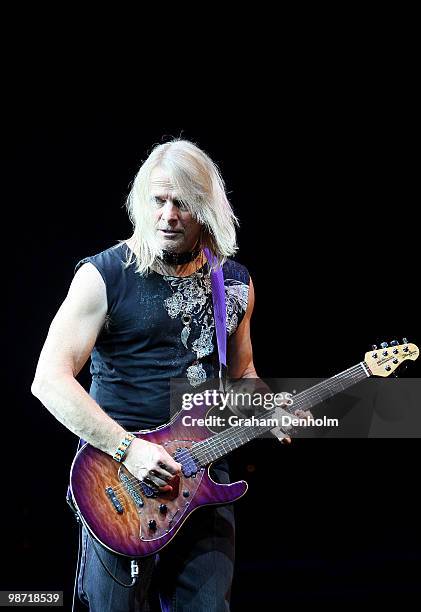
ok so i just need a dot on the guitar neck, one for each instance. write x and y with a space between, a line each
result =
221 444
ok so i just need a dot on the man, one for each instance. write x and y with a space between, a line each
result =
143 311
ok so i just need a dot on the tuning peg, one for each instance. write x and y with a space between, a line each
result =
405 341
374 347
394 343
384 345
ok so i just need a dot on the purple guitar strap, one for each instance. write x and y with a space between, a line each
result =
220 315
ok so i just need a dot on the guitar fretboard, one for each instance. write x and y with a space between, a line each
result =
221 444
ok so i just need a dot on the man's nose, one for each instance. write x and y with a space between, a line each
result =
169 212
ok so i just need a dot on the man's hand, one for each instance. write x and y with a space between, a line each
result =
301 414
146 460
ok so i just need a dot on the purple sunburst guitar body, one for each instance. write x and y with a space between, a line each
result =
130 517
135 519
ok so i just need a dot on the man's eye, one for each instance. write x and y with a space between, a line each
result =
161 201
180 204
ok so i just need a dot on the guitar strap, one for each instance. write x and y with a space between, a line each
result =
220 315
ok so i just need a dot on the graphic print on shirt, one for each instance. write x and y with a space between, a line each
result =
192 302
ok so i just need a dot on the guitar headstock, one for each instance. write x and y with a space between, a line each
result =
385 360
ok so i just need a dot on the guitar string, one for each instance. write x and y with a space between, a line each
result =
215 445
302 399
210 444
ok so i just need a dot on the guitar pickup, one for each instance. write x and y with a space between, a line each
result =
188 464
114 500
147 490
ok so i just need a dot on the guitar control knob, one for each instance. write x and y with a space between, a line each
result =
152 524
394 343
384 345
163 508
186 493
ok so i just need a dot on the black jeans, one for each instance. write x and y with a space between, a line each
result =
192 573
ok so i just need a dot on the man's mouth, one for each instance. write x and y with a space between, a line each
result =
170 232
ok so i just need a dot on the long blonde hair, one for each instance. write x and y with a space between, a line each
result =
199 186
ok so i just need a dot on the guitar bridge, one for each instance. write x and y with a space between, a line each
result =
114 500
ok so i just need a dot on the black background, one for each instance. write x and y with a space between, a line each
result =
325 189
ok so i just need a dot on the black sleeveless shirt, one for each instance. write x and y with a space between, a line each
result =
157 328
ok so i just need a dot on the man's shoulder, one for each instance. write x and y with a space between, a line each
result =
235 270
106 258
116 250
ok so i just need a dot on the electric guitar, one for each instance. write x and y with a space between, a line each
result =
133 518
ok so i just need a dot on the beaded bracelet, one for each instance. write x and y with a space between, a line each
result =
123 446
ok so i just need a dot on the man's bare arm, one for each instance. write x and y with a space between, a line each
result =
240 351
70 340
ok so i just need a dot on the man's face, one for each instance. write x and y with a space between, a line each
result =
177 230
